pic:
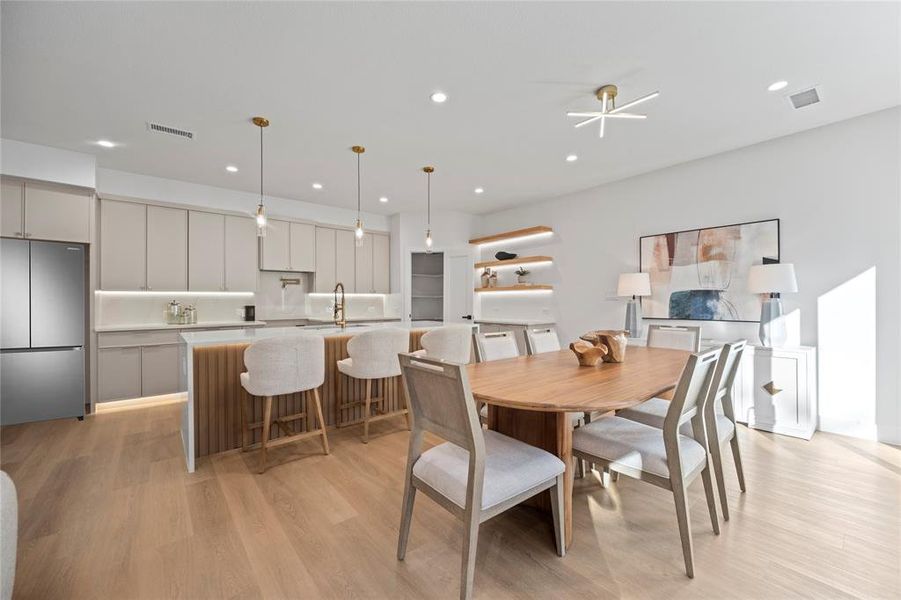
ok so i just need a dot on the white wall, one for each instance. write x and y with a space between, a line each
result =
146 187
836 191
47 164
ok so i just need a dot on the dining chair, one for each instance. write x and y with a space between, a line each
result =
475 474
676 337
496 345
451 343
9 534
277 366
540 340
372 355
663 457
719 417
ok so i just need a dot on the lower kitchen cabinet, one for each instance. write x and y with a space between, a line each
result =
119 373
159 370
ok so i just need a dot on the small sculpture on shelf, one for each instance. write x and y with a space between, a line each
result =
521 275
614 340
588 354
492 280
505 255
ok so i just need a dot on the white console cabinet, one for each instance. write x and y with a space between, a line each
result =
776 390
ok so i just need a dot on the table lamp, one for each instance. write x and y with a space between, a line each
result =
633 285
773 279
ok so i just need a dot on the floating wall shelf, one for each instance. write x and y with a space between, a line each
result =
512 235
517 288
520 260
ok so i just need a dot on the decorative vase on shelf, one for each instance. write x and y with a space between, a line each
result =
521 275
486 277
492 280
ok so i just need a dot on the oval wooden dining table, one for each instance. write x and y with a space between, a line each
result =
530 397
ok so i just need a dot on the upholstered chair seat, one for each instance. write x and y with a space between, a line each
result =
451 343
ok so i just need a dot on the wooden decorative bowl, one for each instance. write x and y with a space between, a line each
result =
614 340
588 354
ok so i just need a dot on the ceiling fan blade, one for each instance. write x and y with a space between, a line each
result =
634 102
583 114
625 116
587 121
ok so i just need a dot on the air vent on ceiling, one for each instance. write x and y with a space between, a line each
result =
805 98
160 128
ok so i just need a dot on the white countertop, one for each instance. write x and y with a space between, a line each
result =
355 319
524 322
235 336
165 327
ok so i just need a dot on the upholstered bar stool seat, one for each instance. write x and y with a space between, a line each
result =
373 356
451 343
280 366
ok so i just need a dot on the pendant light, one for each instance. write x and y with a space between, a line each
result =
261 122
358 226
428 232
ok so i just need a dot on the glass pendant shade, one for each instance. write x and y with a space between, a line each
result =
358 233
261 221
428 241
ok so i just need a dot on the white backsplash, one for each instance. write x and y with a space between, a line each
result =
117 309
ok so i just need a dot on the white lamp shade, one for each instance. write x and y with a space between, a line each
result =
776 278
634 284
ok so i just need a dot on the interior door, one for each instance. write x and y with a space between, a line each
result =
14 286
57 295
458 287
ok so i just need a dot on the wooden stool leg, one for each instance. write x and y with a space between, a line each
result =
321 420
267 425
366 411
245 431
408 415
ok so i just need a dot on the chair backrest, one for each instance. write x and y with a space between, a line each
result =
374 352
451 343
496 345
441 403
676 337
285 365
691 393
724 380
540 340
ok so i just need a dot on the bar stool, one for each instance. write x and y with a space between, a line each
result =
277 366
373 356
451 343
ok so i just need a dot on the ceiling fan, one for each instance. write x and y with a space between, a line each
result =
607 95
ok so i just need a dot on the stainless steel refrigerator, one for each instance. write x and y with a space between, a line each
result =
42 330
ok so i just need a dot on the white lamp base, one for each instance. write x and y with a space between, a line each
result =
633 318
772 326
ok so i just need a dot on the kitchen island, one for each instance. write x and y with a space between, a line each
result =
212 363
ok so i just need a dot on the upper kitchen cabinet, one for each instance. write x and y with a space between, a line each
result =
167 248
55 212
275 248
45 211
303 247
325 278
240 254
123 245
288 247
363 259
344 259
12 208
381 261
206 252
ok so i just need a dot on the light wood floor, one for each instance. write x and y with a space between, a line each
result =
108 511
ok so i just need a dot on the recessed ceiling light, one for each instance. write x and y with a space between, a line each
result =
383 199
439 97
231 169
106 143
572 158
777 85
478 190
317 186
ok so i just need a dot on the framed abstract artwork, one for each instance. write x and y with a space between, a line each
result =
702 274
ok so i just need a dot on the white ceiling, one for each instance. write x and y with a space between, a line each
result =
330 75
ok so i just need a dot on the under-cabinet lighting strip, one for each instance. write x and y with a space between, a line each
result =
537 263
348 295
155 293
531 236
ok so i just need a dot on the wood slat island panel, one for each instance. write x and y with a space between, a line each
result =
218 394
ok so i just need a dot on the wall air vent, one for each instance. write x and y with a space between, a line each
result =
167 130
805 98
